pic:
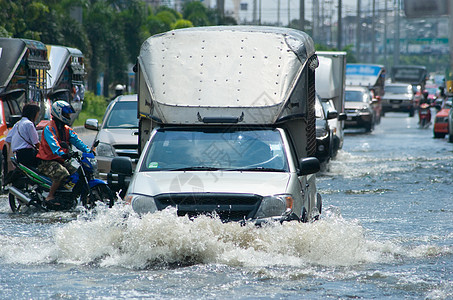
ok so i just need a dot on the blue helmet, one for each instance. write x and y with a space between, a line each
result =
62 111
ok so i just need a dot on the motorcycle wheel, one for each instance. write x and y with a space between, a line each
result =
100 193
16 205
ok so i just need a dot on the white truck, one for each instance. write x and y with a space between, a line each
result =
330 86
227 125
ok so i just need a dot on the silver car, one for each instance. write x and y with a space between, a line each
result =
398 97
118 132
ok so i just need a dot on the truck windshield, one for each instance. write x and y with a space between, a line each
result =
210 150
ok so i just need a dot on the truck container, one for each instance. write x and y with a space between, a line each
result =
330 86
226 125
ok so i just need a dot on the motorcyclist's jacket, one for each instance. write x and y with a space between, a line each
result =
50 148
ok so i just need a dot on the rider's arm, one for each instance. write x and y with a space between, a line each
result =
78 143
51 138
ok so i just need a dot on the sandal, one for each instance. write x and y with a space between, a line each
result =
53 201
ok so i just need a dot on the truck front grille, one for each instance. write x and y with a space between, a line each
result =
229 207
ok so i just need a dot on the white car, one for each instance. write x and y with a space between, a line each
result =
358 108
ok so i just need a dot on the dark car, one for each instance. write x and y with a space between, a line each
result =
324 134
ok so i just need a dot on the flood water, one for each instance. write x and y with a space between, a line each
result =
386 232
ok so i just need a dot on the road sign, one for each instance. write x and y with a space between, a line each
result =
423 8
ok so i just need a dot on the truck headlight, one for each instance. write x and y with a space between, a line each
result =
141 204
275 205
104 149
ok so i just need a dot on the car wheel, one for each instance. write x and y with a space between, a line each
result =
438 135
450 137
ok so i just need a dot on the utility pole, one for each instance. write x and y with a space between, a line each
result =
254 12
278 12
302 14
396 47
340 32
289 13
385 34
358 31
373 38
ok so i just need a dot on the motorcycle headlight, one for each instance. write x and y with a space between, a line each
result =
104 149
141 204
275 205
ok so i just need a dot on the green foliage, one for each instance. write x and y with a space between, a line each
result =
93 108
182 24
196 12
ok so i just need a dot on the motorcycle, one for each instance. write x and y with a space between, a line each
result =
30 188
424 115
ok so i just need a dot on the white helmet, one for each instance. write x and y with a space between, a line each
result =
62 111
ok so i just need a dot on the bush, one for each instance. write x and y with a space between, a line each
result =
93 107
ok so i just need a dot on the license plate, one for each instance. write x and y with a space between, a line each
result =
395 106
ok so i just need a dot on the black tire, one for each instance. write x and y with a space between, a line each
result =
3 171
411 113
439 135
369 127
100 193
14 203
450 137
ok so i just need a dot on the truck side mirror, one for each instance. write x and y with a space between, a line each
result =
332 114
92 124
121 165
342 117
309 165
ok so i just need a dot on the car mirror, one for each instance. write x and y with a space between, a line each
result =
309 165
342 117
332 114
92 124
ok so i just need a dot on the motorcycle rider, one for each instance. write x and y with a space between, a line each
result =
23 137
51 153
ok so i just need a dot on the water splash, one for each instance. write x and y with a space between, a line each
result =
118 237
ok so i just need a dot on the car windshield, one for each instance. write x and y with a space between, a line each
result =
355 96
210 150
398 89
123 115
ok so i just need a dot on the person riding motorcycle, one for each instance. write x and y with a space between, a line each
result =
53 156
23 137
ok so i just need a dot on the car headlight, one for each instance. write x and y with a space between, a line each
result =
141 204
104 149
364 109
274 205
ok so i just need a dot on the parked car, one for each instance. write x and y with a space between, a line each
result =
324 135
334 119
117 134
441 120
398 97
358 108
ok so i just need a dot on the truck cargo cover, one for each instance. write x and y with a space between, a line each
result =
59 57
11 53
223 70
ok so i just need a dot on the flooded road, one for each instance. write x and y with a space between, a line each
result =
386 232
